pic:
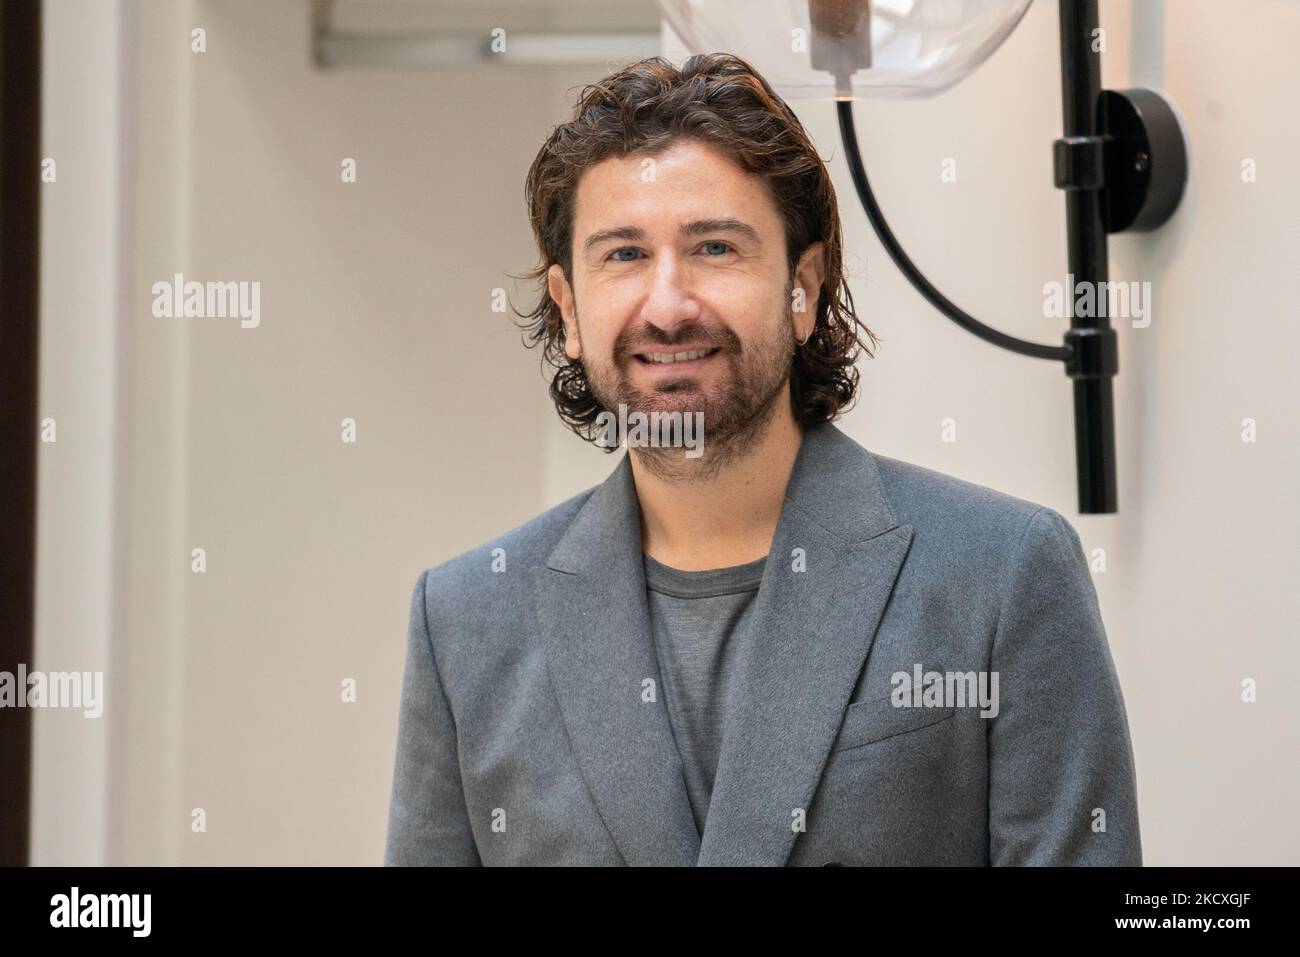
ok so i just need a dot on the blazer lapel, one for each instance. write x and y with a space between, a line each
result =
805 647
591 608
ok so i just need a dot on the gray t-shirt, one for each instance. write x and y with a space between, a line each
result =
693 616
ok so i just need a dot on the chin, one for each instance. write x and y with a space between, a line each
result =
686 400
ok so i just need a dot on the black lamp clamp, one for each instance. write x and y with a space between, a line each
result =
1123 165
1136 130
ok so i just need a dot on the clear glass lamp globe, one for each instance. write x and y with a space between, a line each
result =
849 48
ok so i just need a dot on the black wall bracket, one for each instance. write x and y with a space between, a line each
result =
1136 159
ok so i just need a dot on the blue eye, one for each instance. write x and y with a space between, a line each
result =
726 247
626 249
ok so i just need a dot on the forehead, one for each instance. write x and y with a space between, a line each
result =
686 181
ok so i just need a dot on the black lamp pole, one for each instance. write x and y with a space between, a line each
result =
1094 349
1123 164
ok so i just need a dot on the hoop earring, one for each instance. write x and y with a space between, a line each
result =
804 341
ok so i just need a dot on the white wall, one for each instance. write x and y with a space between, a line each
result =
1201 583
77 555
224 687
376 305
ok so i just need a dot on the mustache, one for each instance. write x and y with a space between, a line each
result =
630 342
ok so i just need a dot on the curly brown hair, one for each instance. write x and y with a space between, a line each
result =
721 100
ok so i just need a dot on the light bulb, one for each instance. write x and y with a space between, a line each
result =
849 48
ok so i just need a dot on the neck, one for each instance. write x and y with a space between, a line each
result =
707 517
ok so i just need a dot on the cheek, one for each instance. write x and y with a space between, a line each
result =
750 310
601 315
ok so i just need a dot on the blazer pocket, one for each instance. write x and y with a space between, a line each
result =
867 722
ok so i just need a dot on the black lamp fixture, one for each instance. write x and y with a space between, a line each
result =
1122 159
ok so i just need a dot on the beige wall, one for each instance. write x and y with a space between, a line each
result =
224 687
1201 583
1200 589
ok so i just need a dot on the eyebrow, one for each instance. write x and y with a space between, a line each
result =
696 228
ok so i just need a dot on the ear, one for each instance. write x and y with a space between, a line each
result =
562 293
809 274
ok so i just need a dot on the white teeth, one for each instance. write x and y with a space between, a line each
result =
677 357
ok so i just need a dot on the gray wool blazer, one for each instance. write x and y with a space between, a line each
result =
530 730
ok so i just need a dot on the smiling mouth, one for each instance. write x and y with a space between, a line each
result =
673 358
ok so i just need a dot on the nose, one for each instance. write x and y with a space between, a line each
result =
670 300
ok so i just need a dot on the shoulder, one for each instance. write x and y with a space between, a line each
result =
971 523
518 548
920 493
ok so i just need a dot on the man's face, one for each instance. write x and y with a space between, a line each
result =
679 253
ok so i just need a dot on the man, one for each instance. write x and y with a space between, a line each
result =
786 649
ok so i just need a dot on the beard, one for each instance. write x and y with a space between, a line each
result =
737 403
